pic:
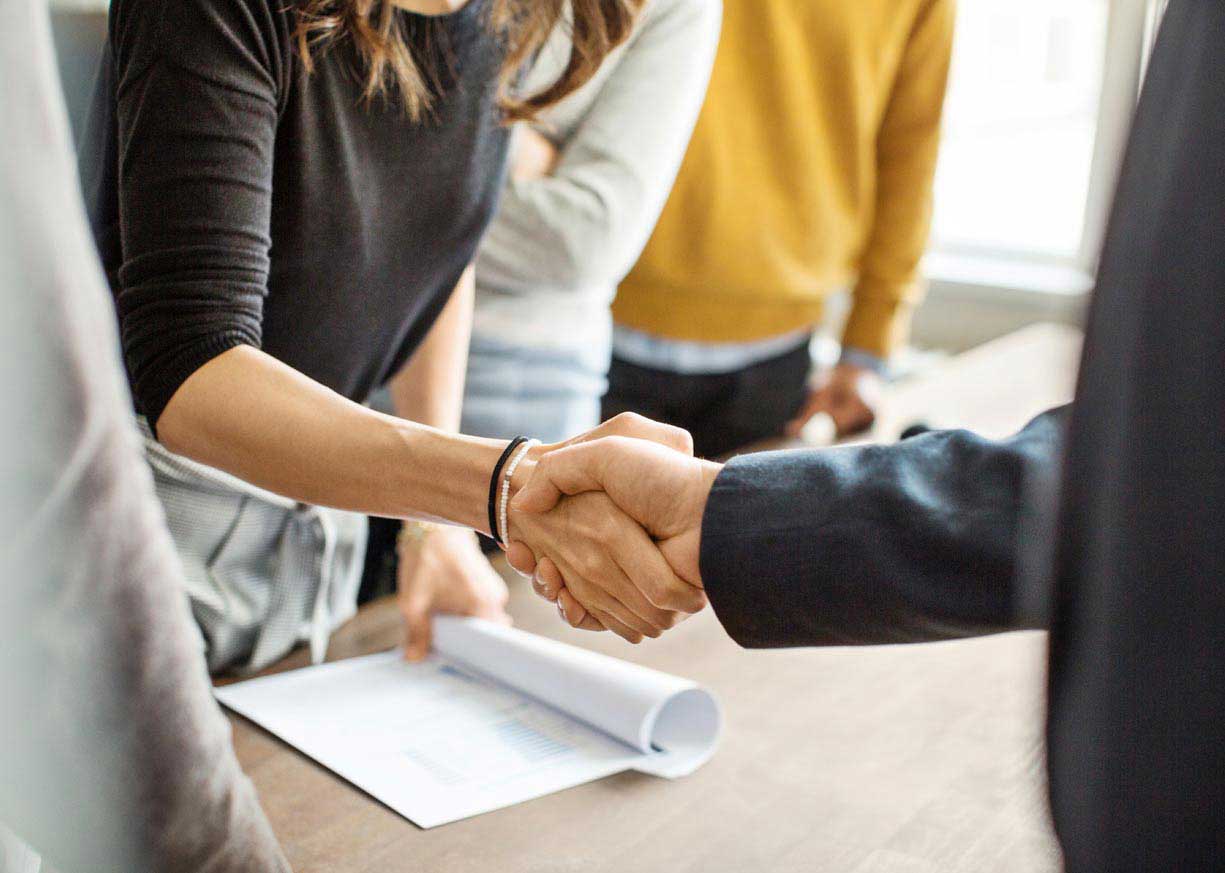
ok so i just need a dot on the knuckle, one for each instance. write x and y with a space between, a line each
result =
591 566
627 421
606 528
591 529
657 591
673 599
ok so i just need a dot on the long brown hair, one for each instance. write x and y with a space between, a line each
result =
392 66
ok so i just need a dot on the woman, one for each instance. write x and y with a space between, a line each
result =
287 198
587 181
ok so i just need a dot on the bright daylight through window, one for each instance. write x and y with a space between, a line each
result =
1020 128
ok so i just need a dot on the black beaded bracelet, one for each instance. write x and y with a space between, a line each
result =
493 487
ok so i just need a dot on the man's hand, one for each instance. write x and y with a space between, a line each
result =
848 394
608 562
442 570
634 426
532 155
662 489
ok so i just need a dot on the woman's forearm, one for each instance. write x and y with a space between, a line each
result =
248 414
430 388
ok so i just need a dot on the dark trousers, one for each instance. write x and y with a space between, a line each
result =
723 411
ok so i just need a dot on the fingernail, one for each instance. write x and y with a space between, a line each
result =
561 610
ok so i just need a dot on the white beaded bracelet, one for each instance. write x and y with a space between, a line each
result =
504 529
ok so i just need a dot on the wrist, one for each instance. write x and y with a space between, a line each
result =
690 543
861 361
708 472
501 488
438 476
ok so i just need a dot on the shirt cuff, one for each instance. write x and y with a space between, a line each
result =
877 323
864 360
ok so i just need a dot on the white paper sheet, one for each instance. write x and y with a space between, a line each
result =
494 717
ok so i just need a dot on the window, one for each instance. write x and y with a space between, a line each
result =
1039 103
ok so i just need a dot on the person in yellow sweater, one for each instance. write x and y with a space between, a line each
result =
810 171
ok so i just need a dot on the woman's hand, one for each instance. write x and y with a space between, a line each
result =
532 155
663 490
607 559
442 570
610 565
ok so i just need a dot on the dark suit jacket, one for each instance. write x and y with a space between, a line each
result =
1122 555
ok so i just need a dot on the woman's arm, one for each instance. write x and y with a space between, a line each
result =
248 414
198 90
442 569
430 388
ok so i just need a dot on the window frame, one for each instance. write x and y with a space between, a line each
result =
1058 283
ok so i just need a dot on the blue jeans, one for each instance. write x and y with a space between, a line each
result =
547 394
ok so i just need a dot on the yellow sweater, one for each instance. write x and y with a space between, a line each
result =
810 168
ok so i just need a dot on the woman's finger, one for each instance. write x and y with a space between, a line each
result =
611 623
521 559
613 615
417 625
619 596
547 580
574 613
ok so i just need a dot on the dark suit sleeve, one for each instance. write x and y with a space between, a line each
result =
880 544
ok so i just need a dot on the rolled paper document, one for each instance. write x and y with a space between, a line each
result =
495 716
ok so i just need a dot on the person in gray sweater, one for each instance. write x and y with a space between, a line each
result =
113 754
585 188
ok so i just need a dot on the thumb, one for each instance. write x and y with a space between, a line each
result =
635 426
816 401
571 470
419 627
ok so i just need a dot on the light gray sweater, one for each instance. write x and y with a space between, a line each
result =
551 261
113 754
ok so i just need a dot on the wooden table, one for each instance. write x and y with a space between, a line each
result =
909 759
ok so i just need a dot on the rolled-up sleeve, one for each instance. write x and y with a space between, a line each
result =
196 115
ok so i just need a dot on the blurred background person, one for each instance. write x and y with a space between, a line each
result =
586 185
811 167
113 754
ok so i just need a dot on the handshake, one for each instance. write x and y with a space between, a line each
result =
608 526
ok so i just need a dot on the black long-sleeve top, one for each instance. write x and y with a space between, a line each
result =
238 200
